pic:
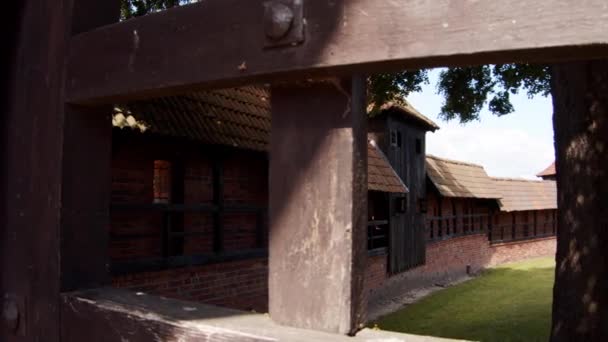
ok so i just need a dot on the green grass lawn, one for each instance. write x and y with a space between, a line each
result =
507 303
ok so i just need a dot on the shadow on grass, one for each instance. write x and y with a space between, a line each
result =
509 303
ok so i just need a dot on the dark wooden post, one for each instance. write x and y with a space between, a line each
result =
85 198
318 205
514 226
535 224
48 228
455 219
440 215
86 172
554 221
490 225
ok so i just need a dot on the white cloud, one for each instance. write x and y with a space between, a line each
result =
516 145
504 152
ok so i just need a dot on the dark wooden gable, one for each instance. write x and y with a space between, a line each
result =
401 135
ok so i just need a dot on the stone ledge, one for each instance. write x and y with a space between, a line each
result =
110 314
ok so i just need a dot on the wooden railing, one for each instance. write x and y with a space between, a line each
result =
170 233
445 227
521 231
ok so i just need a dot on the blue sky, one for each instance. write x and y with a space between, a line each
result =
516 145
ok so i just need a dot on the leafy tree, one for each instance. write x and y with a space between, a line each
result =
135 8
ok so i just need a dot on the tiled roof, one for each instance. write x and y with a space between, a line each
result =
405 109
459 179
380 175
238 117
521 194
549 171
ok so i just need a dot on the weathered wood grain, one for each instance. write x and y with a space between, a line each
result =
85 163
33 130
318 205
85 197
221 42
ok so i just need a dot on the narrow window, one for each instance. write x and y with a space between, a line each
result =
418 146
398 139
393 138
162 181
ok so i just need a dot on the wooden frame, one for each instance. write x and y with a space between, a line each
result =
209 44
45 249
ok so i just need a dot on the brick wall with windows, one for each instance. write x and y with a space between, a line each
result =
136 225
447 260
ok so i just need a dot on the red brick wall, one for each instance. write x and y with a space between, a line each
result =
375 274
521 250
239 284
447 260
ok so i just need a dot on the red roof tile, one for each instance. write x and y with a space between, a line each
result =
238 117
549 171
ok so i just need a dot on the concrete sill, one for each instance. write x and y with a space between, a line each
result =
110 314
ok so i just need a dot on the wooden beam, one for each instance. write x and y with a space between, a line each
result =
85 198
210 44
35 128
318 205
86 172
31 130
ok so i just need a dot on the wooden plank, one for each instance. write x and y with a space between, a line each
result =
32 131
209 44
85 198
86 173
33 128
31 174
318 205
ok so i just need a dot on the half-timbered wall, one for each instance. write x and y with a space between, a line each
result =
213 257
404 144
522 225
447 218
463 235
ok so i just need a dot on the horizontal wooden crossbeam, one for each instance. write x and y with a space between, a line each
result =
222 42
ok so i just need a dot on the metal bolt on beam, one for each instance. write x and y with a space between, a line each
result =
10 314
283 23
277 20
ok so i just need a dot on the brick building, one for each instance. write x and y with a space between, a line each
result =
473 221
527 210
190 201
190 197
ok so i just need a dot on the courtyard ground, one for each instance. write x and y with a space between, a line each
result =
511 302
